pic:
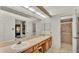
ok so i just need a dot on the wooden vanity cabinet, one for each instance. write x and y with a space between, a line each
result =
41 47
48 44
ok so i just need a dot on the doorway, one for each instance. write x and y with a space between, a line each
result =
20 28
66 32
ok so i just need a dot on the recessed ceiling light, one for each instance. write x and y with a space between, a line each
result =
31 9
40 14
26 6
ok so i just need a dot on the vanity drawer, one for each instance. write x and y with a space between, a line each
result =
30 50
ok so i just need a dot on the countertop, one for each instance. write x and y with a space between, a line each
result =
30 42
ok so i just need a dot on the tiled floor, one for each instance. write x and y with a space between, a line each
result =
65 48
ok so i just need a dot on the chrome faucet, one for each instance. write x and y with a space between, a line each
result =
18 41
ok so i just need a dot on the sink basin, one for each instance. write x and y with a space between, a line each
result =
19 46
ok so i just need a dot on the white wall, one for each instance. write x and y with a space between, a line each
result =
47 24
1 28
47 27
55 30
8 24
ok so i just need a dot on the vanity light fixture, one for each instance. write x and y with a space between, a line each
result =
33 10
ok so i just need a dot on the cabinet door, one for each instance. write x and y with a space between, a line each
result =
50 42
36 47
47 44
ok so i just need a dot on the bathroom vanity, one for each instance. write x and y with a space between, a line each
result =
40 44
40 47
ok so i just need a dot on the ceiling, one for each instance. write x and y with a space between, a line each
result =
60 10
48 11
20 10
